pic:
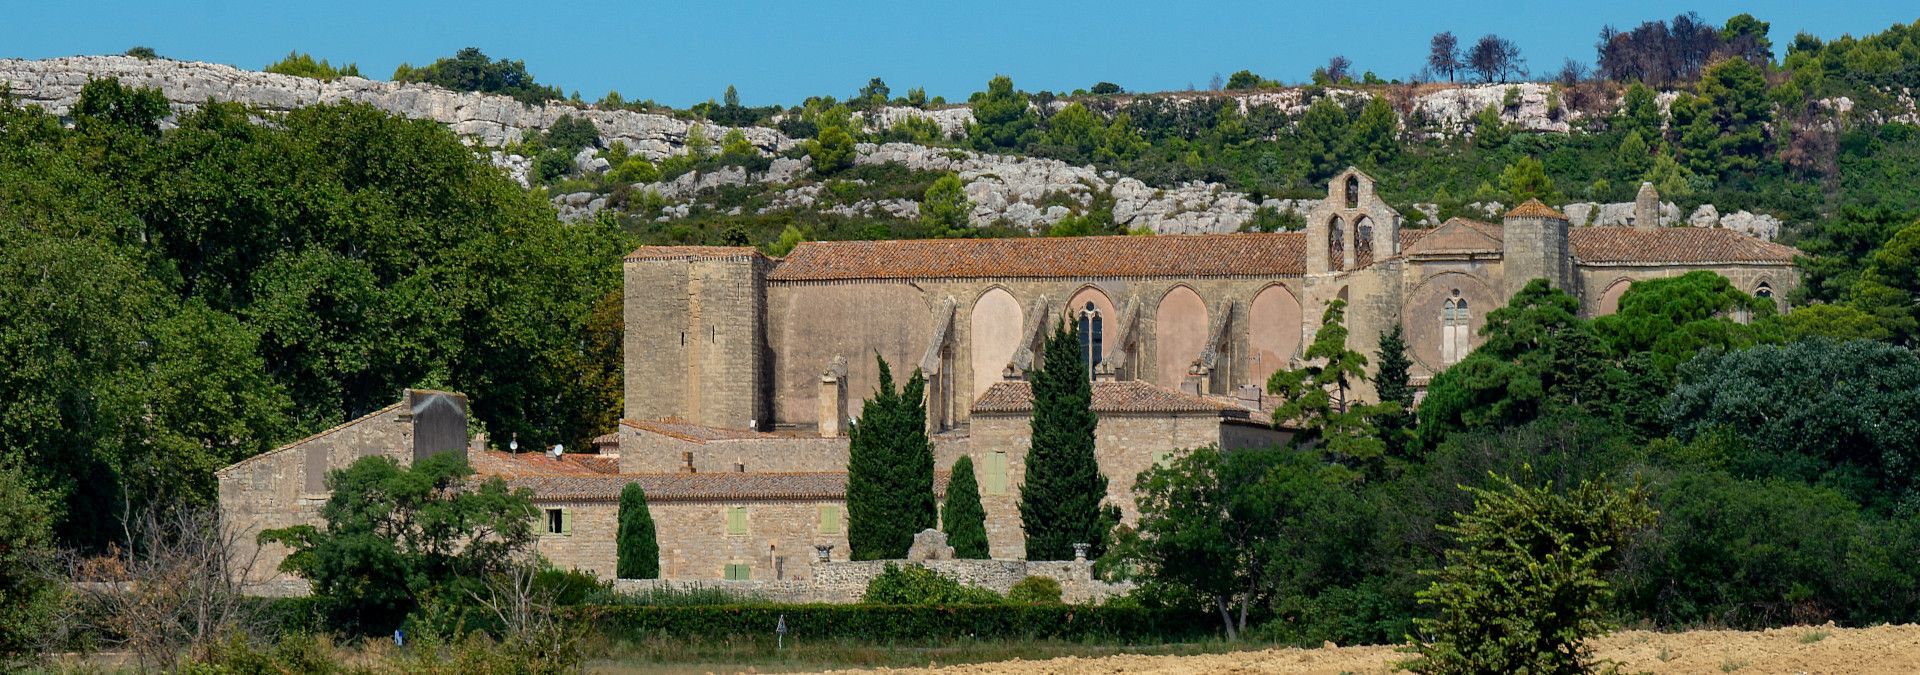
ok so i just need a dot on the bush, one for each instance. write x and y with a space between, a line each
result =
916 585
833 151
570 134
552 165
891 623
1035 591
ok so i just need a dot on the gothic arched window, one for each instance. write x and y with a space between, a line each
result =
1764 292
1353 192
1091 336
1337 244
1456 336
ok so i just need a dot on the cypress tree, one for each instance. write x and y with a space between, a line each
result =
1396 426
964 520
636 551
1060 498
889 471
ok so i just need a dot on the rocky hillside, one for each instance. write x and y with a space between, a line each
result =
1023 192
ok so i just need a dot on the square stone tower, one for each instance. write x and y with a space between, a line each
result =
695 346
1535 247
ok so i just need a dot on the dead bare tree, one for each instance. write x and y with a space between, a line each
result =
177 591
529 625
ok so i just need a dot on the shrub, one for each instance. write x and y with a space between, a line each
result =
895 623
1035 590
637 550
570 134
552 165
32 597
832 152
1524 587
303 65
963 519
916 585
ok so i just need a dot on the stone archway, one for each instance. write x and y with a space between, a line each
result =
1180 332
1274 323
993 332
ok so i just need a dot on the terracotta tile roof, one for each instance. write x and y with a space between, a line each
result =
691 252
1131 396
1456 236
665 487
1193 255
1673 245
612 438
496 463
699 433
1534 209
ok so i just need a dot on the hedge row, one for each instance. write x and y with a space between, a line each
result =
897 622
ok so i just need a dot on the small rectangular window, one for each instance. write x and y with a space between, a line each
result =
316 469
829 519
737 521
1161 459
556 521
996 473
739 572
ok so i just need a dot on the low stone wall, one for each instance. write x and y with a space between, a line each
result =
845 581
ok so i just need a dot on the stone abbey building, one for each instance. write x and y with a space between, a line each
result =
742 371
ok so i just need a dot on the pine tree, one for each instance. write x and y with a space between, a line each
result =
964 520
889 471
1315 397
1395 425
1060 500
637 552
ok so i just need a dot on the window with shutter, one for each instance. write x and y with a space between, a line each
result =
737 521
996 473
738 572
829 519
556 521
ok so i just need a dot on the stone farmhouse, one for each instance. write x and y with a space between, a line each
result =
743 372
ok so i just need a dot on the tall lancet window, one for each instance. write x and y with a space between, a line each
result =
1091 338
1337 244
1456 334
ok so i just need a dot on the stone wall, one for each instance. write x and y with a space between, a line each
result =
694 541
846 581
1124 444
286 487
696 340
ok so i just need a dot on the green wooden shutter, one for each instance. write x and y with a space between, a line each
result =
738 572
996 478
737 521
566 521
829 519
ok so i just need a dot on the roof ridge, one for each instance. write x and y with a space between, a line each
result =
315 435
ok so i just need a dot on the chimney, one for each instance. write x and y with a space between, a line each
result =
833 398
686 462
1646 207
739 467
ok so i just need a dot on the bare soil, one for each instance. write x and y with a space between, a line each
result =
1879 650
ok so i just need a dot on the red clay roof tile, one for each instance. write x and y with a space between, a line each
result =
1195 255
1131 396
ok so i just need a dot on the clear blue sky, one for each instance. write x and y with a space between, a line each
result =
780 52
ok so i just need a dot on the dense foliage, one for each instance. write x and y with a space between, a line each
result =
962 517
302 64
471 70
184 299
399 539
32 596
890 470
1062 490
1524 587
636 550
910 624
915 585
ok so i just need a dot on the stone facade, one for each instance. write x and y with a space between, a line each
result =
287 486
695 542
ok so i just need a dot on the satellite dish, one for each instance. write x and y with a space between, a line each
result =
558 450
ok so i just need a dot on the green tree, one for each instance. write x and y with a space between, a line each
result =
301 64
1315 397
570 134
1063 487
33 595
1536 356
1001 118
963 519
1375 134
1736 108
833 151
1836 414
1074 127
1246 79
735 146
471 70
399 538
1235 531
1490 130
1675 317
637 552
1395 389
1639 112
889 471
1632 159
1525 587
1526 178
1323 137
944 209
